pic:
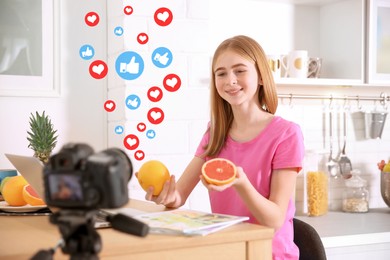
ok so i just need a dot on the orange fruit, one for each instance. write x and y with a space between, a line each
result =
13 191
219 171
153 173
31 196
3 181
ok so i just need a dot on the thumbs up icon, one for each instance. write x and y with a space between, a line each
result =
132 67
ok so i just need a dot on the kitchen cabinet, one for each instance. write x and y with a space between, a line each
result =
338 31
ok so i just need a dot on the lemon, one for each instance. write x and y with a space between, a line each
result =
386 168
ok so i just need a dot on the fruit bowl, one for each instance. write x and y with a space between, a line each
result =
385 187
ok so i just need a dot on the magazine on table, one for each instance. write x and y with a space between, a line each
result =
188 222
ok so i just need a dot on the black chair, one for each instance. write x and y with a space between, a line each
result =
308 241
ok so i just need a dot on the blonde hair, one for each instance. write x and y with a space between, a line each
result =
221 111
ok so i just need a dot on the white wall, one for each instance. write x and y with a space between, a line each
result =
78 113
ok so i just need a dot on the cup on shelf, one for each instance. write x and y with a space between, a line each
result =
295 64
314 67
274 63
375 122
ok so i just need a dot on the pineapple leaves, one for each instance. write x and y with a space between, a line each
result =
42 137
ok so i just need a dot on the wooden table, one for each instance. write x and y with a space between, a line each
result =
22 236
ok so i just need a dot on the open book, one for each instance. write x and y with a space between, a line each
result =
188 222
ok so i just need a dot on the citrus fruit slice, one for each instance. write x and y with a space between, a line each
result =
13 191
153 173
31 196
219 171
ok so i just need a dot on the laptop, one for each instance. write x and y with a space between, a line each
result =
31 169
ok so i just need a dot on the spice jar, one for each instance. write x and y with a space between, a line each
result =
316 184
355 195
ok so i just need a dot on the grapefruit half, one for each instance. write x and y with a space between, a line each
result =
219 171
31 196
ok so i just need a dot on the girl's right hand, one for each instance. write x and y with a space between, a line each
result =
167 196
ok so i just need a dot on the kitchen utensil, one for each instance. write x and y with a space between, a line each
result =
344 162
333 165
375 122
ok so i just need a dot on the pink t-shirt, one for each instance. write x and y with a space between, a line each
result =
278 146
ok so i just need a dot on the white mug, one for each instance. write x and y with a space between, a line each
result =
295 64
274 62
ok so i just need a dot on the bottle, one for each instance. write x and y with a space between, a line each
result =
355 195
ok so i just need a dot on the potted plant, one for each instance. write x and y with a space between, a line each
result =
42 137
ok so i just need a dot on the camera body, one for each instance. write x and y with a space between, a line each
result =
78 178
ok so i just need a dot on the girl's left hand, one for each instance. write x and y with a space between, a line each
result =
240 178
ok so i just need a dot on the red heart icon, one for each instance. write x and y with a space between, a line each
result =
155 94
141 127
163 16
142 38
155 115
128 10
172 82
109 105
139 155
98 69
91 19
131 142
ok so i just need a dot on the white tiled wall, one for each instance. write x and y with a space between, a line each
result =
187 110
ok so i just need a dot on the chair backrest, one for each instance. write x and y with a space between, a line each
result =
308 241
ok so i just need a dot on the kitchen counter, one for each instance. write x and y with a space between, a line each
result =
345 234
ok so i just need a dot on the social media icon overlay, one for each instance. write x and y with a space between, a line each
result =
87 52
119 129
163 16
150 134
141 127
155 94
98 69
142 38
109 105
91 19
131 142
133 102
162 57
139 155
129 65
172 82
155 115
128 10
118 31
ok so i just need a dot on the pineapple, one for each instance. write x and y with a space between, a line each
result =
42 137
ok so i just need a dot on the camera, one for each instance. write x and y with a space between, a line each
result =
78 178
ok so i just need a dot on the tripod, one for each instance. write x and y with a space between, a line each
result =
80 239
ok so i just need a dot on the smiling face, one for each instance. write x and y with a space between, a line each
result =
236 78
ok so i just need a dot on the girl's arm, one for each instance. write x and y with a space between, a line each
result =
270 212
174 195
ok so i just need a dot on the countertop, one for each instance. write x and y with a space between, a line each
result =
340 229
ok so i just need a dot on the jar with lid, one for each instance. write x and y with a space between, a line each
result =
355 195
316 183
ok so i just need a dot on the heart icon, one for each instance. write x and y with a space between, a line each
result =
172 82
141 127
155 94
163 16
131 142
91 19
128 10
139 155
142 38
109 105
98 69
155 115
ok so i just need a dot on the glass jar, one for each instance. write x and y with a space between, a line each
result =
355 195
317 186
